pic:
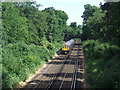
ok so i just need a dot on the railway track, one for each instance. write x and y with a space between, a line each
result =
65 72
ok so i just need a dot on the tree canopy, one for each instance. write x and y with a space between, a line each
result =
102 23
101 43
29 38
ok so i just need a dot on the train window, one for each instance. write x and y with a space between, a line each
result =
66 46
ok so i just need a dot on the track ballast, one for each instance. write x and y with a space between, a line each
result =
65 71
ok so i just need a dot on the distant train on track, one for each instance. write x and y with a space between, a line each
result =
68 46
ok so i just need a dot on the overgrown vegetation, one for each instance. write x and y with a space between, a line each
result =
102 64
20 59
30 38
102 23
101 45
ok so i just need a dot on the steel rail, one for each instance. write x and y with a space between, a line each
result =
73 84
54 77
76 72
57 73
74 75
44 76
64 76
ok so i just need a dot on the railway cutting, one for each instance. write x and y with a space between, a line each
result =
64 72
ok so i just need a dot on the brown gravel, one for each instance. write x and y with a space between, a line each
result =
45 73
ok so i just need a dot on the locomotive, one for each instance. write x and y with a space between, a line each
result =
67 46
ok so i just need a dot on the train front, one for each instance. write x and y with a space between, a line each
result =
67 46
65 49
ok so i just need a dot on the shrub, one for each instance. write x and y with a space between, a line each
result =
20 59
102 64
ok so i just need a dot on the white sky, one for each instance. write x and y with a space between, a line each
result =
73 8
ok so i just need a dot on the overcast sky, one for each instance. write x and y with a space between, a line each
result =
73 8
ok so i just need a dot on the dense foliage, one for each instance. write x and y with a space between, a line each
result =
30 38
102 23
93 23
102 64
112 20
101 45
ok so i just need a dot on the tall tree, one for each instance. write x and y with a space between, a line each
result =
92 17
56 20
112 21
14 26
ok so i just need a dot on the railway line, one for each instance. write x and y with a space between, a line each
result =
65 71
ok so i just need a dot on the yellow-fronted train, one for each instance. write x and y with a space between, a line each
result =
68 46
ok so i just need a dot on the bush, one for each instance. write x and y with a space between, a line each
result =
20 59
102 64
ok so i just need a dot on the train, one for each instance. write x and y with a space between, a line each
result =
68 46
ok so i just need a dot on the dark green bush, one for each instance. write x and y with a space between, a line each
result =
102 64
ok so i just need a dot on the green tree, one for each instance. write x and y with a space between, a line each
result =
112 21
56 20
36 21
14 26
92 22
95 25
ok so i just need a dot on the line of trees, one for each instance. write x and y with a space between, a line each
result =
101 32
30 37
102 23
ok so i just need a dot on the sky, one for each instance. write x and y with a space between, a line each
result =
73 8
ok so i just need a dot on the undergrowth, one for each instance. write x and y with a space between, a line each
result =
20 59
102 64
